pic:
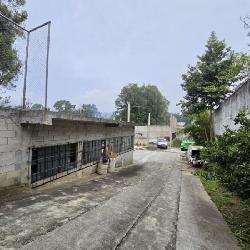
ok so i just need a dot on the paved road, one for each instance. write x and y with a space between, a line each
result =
153 204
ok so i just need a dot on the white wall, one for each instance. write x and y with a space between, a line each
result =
225 114
143 133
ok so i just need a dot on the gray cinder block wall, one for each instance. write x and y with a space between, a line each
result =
143 134
224 115
20 131
13 149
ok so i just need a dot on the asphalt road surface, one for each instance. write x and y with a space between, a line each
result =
154 204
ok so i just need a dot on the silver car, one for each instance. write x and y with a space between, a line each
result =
162 143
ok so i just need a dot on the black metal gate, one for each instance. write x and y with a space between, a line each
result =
52 162
49 163
92 151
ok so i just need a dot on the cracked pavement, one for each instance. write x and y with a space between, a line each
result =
152 204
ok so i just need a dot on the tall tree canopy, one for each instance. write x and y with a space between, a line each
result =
186 118
64 106
89 110
37 106
199 128
143 100
246 21
208 82
10 64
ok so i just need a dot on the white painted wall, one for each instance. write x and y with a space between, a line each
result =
225 114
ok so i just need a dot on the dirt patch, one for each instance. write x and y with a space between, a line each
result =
130 172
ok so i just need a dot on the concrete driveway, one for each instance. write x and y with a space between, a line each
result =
154 204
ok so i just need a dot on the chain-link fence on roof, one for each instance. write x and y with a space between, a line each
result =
23 65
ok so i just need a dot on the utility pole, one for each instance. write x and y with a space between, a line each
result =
47 68
148 129
26 69
128 116
170 130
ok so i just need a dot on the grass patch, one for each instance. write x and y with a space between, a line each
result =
235 211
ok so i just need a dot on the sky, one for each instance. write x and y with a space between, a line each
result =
99 46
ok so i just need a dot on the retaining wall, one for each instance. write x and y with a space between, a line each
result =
143 134
224 115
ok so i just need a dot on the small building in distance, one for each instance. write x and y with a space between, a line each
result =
37 146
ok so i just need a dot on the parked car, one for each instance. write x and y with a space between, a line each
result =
185 144
162 143
194 157
153 141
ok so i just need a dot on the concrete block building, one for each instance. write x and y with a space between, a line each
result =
224 115
37 147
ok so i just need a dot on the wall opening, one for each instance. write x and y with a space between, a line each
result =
49 162
92 151
121 144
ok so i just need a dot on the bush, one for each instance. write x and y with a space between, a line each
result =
176 143
228 157
199 128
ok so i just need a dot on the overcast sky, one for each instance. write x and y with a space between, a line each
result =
98 46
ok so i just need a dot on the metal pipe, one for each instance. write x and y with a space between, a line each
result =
128 116
148 128
25 70
9 20
40 26
47 66
170 136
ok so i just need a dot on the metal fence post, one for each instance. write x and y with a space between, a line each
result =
25 70
47 67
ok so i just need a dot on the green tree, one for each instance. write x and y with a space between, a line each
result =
89 110
186 118
10 64
242 60
208 82
246 21
64 106
4 100
143 100
199 128
228 156
37 106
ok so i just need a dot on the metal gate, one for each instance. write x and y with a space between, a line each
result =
52 162
49 163
92 151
